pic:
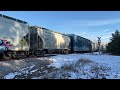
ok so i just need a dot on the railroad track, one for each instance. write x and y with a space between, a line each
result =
47 55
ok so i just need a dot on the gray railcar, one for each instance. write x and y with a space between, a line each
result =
80 44
13 34
94 46
48 40
14 30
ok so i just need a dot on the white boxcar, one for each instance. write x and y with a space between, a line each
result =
14 30
42 38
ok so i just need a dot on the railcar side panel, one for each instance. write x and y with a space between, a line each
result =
14 31
80 44
51 39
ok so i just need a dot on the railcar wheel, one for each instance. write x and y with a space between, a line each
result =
14 55
39 53
7 55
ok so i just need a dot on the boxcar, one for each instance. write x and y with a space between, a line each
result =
48 41
80 44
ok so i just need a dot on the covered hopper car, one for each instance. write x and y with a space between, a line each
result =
12 33
42 39
80 44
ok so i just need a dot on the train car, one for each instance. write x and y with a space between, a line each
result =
80 44
94 46
12 35
42 39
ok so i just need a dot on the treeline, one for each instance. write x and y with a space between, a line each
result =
113 46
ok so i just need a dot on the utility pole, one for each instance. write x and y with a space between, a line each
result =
99 42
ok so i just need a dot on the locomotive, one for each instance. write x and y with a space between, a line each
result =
19 39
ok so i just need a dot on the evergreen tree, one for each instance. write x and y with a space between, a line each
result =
114 45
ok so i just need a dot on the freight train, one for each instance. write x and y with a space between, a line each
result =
17 38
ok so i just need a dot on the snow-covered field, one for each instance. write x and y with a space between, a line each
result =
77 66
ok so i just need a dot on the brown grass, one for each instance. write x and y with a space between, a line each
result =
84 61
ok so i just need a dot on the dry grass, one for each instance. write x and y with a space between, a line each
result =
68 67
84 61
99 70
63 72
93 71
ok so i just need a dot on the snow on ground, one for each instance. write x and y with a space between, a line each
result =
21 71
113 62
96 66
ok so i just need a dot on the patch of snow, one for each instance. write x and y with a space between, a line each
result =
33 71
21 71
10 76
26 68
35 78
